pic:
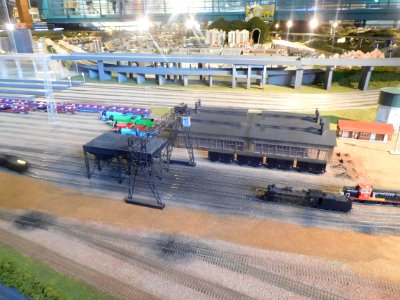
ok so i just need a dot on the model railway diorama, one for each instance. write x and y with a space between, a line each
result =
258 140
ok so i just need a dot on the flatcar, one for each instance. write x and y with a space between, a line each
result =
309 198
365 193
92 108
4 106
20 108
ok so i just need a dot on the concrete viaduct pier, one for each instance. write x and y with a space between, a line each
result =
181 67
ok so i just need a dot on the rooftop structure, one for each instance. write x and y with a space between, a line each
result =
365 130
263 132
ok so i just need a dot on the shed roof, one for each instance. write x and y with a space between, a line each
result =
369 127
283 127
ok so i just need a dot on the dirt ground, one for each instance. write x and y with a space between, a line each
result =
369 162
372 256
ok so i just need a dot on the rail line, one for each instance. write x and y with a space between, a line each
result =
100 281
266 271
231 196
227 261
61 162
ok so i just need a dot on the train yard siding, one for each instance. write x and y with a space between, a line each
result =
373 256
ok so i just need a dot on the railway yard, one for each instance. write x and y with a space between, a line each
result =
215 238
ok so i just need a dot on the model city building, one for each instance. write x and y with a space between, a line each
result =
215 37
237 38
368 131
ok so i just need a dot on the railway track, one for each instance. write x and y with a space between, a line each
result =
229 201
234 194
268 271
164 96
100 281
57 157
227 261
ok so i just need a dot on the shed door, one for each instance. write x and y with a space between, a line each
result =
372 137
364 136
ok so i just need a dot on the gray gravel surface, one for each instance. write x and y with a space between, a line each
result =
199 268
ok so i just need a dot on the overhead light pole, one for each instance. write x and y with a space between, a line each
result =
289 25
396 151
10 27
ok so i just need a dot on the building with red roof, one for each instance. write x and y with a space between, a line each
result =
369 131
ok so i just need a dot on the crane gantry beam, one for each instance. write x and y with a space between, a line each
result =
139 160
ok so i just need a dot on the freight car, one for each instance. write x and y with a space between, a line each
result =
270 161
367 194
309 198
224 156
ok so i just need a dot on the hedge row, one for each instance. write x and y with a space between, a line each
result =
26 283
380 77
324 45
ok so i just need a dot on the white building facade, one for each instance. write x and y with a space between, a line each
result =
215 38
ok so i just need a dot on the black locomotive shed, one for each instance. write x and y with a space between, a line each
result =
113 149
255 137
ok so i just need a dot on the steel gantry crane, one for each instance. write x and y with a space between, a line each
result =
141 161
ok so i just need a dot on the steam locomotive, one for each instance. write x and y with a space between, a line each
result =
309 198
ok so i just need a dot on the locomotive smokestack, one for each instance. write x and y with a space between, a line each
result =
317 116
324 126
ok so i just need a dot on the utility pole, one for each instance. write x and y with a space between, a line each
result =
10 27
396 151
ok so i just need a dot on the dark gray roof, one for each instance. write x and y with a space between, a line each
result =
269 126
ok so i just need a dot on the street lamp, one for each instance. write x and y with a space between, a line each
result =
277 26
289 24
192 24
313 23
334 25
10 26
144 23
396 151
